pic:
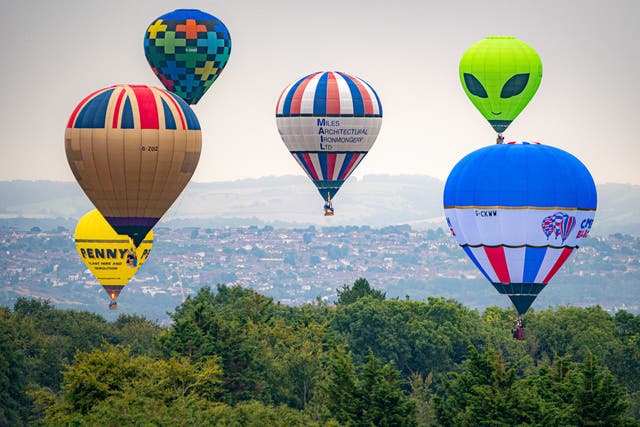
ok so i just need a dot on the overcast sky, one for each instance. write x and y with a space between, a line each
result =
57 52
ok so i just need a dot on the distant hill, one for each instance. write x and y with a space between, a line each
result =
290 201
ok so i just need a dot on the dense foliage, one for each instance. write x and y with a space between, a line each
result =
234 357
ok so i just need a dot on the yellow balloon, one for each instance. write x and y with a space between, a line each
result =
111 257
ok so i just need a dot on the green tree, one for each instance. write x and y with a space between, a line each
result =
422 395
486 392
573 331
292 357
373 398
360 289
416 336
381 399
50 337
553 385
14 402
341 386
134 332
597 399
219 325
139 385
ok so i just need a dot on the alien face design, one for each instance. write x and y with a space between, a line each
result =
500 75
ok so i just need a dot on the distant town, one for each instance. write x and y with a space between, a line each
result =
305 265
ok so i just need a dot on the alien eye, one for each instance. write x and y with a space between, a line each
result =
474 85
514 85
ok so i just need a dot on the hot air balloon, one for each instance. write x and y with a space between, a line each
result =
187 49
133 149
329 121
500 75
111 257
519 211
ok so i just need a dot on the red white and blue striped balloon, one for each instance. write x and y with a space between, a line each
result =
329 121
519 211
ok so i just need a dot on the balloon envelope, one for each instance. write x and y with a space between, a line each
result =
107 254
500 75
328 122
187 49
133 149
519 211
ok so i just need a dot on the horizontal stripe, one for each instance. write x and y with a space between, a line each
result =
324 151
539 208
481 245
108 241
124 221
515 288
101 241
327 115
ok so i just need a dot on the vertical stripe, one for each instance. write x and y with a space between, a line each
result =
126 121
169 121
94 113
315 161
357 162
280 103
338 164
498 262
377 110
308 97
473 258
320 96
74 114
561 259
333 95
532 261
174 100
483 260
346 103
147 107
331 164
322 158
356 97
515 263
286 108
366 98
116 111
550 258
348 165
309 164
298 93
301 162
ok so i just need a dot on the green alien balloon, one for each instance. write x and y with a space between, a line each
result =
500 75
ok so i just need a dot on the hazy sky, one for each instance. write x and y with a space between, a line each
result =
57 52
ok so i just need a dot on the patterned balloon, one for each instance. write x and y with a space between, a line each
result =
519 211
108 255
329 121
187 49
133 149
500 75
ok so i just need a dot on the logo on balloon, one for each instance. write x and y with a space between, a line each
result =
558 224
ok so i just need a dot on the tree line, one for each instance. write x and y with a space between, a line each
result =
234 357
